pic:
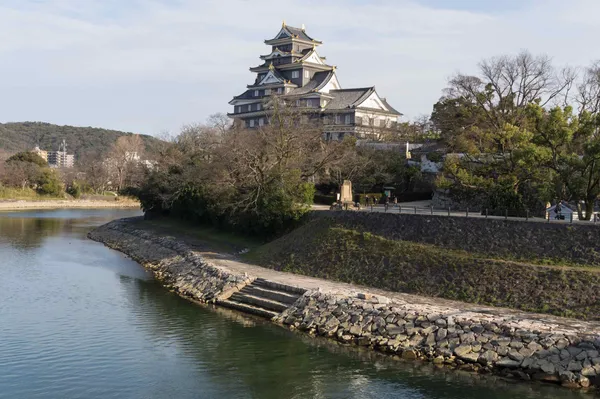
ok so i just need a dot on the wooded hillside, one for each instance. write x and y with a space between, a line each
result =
82 141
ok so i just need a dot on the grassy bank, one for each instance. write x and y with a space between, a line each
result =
520 241
321 249
201 236
10 193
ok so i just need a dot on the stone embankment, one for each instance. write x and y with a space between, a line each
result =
173 263
468 341
479 339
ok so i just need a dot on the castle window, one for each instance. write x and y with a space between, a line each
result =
295 74
251 123
279 90
348 119
256 93
338 119
261 121
307 74
267 92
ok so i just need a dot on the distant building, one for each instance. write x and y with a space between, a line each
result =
60 158
295 72
41 153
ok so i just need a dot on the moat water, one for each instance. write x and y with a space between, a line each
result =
78 320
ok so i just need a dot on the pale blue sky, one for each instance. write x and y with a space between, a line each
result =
153 65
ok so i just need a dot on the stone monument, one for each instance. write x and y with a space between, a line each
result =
346 192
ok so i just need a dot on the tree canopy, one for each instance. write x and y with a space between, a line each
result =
81 141
518 141
28 157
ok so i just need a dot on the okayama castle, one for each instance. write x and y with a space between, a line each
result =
295 72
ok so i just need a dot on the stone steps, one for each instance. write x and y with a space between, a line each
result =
278 296
242 307
264 303
263 298
261 282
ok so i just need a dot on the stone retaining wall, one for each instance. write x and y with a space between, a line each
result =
476 344
466 340
172 262
576 243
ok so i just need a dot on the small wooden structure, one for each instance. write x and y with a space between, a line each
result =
561 211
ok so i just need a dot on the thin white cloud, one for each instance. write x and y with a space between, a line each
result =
99 60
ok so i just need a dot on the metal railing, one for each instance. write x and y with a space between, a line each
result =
497 214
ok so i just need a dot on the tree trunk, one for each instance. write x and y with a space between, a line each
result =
589 209
579 211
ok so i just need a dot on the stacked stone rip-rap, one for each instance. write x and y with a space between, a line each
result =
467 341
504 342
172 262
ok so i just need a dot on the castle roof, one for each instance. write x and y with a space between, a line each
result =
290 32
279 72
356 98
319 80
349 98
389 107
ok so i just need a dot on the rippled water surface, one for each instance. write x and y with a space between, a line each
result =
78 320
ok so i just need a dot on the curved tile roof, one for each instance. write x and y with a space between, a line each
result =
348 98
319 80
296 32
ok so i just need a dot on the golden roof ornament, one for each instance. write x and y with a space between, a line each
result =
271 67
303 28
283 24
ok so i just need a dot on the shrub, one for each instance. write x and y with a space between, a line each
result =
363 198
435 157
74 189
49 183
28 157
324 199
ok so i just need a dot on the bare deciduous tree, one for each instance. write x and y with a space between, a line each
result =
20 174
588 96
127 151
508 83
96 174
219 121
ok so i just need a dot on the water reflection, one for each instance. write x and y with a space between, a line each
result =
29 232
78 320
248 354
29 229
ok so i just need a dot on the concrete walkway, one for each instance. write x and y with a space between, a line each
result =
532 321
